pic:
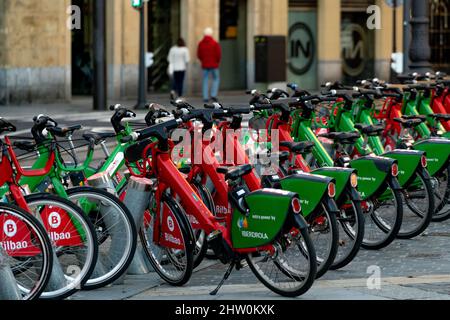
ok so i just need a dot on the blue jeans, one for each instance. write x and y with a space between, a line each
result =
215 85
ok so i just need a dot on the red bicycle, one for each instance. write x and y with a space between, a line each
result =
265 227
320 210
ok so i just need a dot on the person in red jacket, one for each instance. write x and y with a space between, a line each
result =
209 53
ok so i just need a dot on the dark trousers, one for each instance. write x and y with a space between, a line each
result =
178 82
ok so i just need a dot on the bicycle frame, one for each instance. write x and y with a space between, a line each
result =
170 179
437 149
408 161
341 176
440 104
373 171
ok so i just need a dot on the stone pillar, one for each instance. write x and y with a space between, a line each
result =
122 42
264 17
420 51
35 51
196 15
383 42
329 66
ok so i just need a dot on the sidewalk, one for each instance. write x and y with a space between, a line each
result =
84 104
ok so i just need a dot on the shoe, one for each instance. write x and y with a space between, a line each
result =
215 100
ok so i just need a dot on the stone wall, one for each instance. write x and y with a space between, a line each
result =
35 45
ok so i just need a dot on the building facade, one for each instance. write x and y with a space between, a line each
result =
42 59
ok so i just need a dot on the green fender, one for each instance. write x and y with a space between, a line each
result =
446 135
268 211
310 188
408 162
373 171
438 153
341 177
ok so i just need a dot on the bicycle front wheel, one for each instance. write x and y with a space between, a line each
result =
74 244
351 233
441 188
289 269
383 219
324 233
171 251
418 206
115 230
26 249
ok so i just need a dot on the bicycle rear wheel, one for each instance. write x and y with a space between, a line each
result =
290 268
26 249
171 251
74 243
115 230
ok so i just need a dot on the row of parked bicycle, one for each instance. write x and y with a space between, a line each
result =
357 168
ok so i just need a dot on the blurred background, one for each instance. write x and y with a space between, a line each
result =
264 43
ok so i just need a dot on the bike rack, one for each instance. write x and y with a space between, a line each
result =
8 285
137 199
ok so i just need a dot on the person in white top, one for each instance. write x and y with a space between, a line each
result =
178 61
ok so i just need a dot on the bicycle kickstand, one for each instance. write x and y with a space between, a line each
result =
225 277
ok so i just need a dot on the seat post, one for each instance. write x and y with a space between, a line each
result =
105 149
72 148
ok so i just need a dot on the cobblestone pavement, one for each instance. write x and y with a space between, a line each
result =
410 269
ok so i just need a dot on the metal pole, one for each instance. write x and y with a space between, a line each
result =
420 51
137 200
100 55
142 93
406 33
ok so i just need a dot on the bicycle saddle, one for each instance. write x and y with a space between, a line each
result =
64 132
370 130
409 123
98 137
6 126
346 138
281 156
298 147
441 116
414 116
28 146
234 173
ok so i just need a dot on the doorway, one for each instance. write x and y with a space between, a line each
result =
82 53
233 40
440 34
163 32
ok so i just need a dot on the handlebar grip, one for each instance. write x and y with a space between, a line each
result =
114 107
263 106
214 106
127 139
